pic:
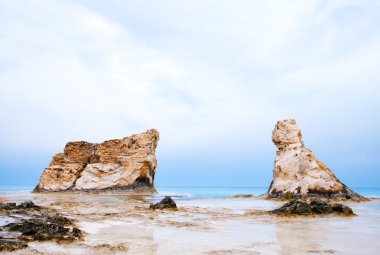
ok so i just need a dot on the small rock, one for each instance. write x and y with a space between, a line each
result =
165 203
27 204
342 209
76 232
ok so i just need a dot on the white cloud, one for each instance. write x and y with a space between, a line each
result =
208 74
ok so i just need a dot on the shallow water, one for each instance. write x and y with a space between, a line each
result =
203 225
185 193
212 192
5 220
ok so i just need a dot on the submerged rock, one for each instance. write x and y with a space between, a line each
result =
165 203
311 207
121 164
34 223
297 172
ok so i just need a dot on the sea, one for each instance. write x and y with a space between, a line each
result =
196 192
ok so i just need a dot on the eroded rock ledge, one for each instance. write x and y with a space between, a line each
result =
34 223
126 164
298 173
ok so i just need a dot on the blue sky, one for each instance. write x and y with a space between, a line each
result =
212 76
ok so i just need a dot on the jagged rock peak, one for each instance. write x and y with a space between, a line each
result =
297 172
126 164
286 133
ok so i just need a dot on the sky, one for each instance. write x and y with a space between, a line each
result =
211 76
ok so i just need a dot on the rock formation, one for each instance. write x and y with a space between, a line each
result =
125 164
297 172
165 203
34 223
312 207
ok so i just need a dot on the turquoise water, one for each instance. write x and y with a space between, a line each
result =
211 192
198 192
368 192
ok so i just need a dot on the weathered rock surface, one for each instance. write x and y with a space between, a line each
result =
297 172
14 206
34 223
8 245
312 207
165 203
120 164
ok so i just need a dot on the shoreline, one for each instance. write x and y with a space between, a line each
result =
117 224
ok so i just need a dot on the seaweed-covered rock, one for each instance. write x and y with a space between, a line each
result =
34 223
27 205
165 203
312 207
7 206
22 205
41 230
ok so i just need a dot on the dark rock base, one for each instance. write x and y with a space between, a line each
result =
165 203
348 196
312 207
140 185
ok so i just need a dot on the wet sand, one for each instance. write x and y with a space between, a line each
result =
125 225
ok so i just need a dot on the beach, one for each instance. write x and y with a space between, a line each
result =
189 127
124 224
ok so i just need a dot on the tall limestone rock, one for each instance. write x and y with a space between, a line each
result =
125 164
297 172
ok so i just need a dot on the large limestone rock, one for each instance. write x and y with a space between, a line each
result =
297 172
121 164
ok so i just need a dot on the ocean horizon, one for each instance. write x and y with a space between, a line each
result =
195 192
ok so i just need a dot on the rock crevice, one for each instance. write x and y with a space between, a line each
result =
119 164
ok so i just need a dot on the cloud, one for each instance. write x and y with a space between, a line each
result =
78 77
212 76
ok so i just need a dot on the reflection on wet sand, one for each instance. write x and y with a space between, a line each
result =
301 237
126 225
139 240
